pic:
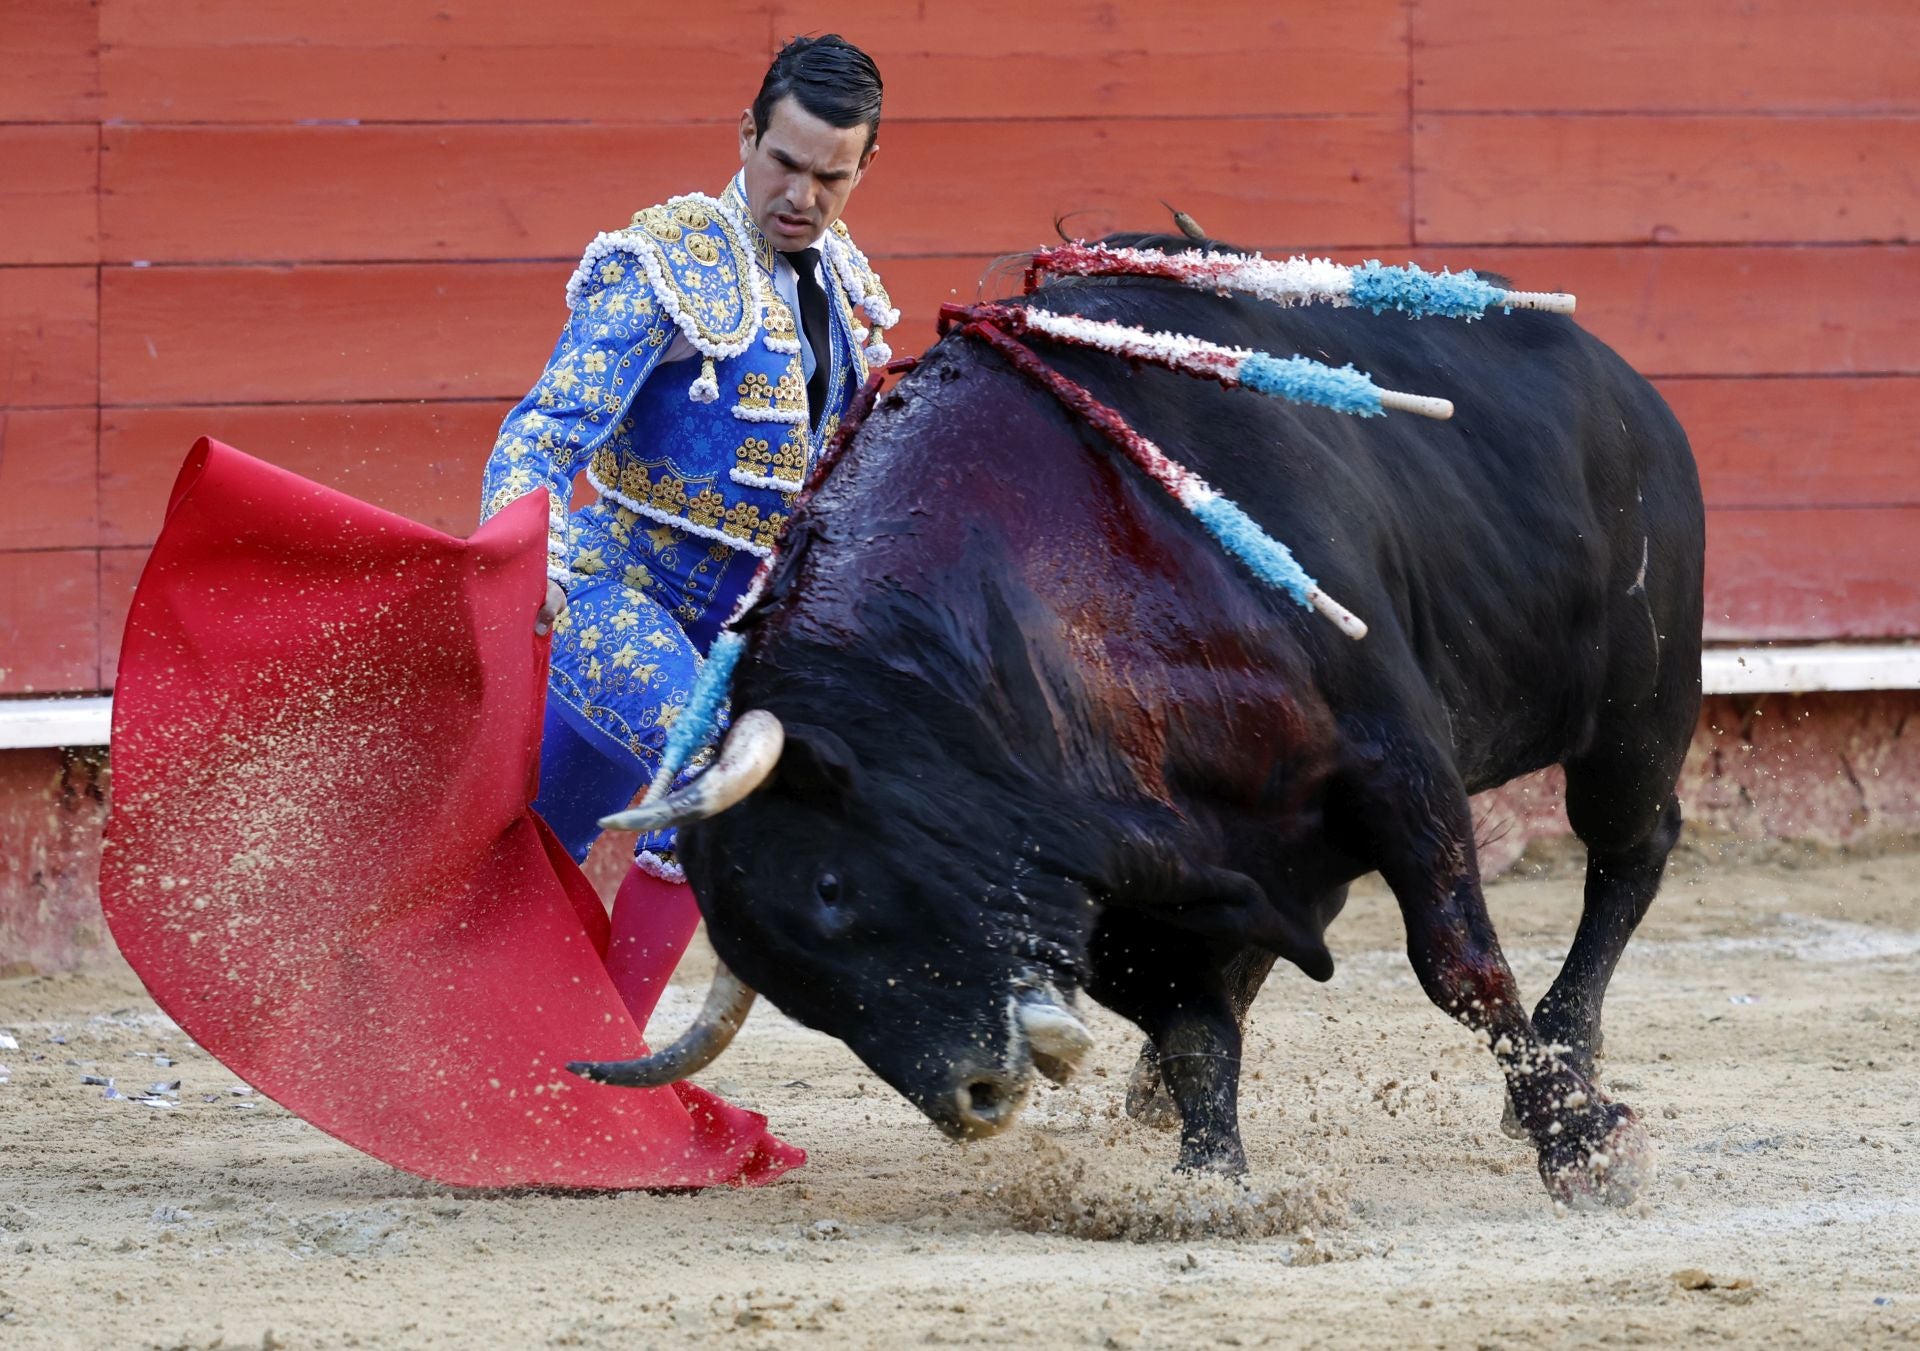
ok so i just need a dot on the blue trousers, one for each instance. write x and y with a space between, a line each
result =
578 784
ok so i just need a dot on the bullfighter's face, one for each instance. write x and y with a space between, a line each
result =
800 171
867 910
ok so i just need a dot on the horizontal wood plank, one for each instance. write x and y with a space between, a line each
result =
242 25
218 335
267 334
421 460
970 188
1092 58
1735 311
1570 179
1759 443
49 336
49 621
1803 442
1650 55
48 487
287 60
1771 575
487 60
328 193
49 210
49 61
273 194
1814 574
1729 311
421 331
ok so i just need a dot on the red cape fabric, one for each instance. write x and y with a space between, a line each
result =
321 859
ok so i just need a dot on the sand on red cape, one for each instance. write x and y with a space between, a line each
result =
321 859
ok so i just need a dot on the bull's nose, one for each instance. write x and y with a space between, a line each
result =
986 1102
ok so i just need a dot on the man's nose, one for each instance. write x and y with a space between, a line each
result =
800 193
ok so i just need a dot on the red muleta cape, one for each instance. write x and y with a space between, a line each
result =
321 859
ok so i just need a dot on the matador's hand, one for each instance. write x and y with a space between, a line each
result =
550 608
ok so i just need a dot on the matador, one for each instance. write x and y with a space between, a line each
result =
710 351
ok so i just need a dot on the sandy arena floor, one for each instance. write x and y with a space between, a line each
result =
1765 1025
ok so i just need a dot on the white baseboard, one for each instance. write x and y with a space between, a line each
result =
1803 669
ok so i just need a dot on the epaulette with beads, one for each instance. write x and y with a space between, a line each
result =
702 271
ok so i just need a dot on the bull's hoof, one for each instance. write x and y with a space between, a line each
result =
1510 1122
1220 1158
1608 1166
1148 1101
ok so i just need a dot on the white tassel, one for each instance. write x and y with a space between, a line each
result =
707 388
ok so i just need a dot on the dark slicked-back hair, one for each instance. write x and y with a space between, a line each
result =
830 78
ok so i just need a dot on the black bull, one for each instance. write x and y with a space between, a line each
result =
1042 733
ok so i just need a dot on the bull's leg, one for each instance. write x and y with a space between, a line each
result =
1148 1100
1590 1150
1620 798
1199 1048
1621 882
1620 802
1177 991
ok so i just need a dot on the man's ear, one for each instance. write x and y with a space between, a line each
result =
816 766
749 135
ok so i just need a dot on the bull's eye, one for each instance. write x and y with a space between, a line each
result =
831 914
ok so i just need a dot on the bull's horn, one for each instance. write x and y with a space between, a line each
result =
748 755
699 1046
1055 1037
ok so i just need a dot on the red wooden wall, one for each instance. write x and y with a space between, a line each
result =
336 236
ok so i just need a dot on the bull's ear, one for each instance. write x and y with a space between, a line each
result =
1222 904
816 766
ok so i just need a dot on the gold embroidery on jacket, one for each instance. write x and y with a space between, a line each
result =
754 456
780 328
699 505
790 395
756 392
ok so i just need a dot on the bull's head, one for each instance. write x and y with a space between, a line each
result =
944 952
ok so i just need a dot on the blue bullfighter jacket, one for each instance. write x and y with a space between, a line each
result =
695 464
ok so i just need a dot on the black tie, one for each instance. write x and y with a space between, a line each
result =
813 318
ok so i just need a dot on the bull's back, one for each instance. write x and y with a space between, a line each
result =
1515 562
1492 555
